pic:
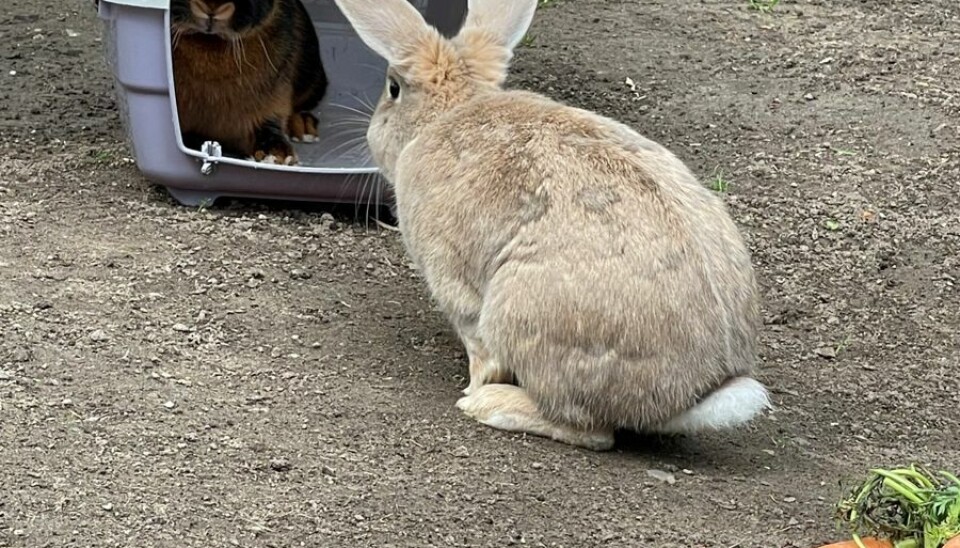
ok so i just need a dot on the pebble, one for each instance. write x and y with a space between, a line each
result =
280 465
298 274
327 221
660 475
5 375
826 352
182 328
21 355
99 336
169 404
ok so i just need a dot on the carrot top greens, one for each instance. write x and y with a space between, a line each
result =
911 506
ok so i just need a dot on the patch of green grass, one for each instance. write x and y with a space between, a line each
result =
763 6
842 152
528 40
545 3
844 344
718 183
102 157
205 204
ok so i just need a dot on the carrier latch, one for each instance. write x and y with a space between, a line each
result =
212 152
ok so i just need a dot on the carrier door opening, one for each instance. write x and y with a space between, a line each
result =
354 82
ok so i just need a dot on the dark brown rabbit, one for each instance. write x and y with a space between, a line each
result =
247 74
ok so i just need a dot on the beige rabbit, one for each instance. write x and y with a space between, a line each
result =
594 282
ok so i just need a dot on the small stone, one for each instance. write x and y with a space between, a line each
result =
327 471
327 221
660 475
99 336
67 402
21 355
536 465
19 532
5 375
809 97
461 452
276 352
770 452
169 404
108 507
182 328
790 499
280 465
826 352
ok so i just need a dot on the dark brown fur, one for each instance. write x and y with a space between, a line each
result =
251 85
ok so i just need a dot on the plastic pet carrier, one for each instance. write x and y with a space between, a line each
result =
334 169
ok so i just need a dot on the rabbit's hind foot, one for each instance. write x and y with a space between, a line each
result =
509 408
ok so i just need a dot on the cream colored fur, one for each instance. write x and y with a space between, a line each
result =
576 259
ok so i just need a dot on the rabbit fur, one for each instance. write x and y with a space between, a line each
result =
595 283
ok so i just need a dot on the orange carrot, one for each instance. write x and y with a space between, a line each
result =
869 542
953 543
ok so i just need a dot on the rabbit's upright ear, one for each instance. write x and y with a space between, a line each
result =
506 19
389 27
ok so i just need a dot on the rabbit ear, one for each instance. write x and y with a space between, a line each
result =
507 19
388 27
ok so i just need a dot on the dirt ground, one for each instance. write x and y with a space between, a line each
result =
267 375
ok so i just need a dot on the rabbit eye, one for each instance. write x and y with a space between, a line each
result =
394 89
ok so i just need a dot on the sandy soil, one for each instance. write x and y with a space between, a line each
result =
270 375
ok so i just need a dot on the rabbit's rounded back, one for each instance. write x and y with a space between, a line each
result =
588 260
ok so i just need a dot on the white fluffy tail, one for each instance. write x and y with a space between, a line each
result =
737 402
